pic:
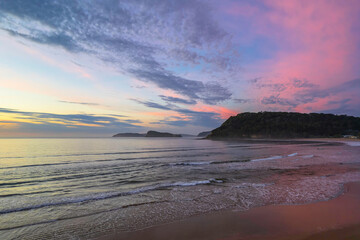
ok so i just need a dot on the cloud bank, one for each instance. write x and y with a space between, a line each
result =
138 38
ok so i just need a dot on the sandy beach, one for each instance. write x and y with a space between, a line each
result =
338 218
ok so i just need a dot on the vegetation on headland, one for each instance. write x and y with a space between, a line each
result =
287 125
130 135
161 134
148 134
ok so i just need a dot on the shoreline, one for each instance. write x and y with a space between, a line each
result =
285 140
332 219
331 139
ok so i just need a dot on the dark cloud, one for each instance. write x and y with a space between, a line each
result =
177 100
213 93
56 39
348 92
173 121
307 92
298 83
255 80
139 38
242 100
197 118
343 107
187 56
278 101
210 93
275 87
153 104
341 102
209 120
353 85
351 88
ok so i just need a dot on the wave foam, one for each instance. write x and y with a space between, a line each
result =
292 155
265 159
190 163
101 196
353 144
256 185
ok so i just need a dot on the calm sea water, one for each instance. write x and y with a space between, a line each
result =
84 188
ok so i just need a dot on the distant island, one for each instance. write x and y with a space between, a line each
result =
130 135
148 134
161 134
287 125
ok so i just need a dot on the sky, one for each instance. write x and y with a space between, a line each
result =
96 68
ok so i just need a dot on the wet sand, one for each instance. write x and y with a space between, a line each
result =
338 218
341 140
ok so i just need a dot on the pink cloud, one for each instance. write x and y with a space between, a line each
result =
316 42
223 112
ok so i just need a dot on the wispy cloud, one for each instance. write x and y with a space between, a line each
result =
138 38
81 103
177 100
276 100
91 122
209 119
154 104
243 100
210 93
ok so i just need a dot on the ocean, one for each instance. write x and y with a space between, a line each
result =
83 188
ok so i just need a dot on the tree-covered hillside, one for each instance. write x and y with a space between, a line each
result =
287 125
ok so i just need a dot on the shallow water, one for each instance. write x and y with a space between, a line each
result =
83 188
